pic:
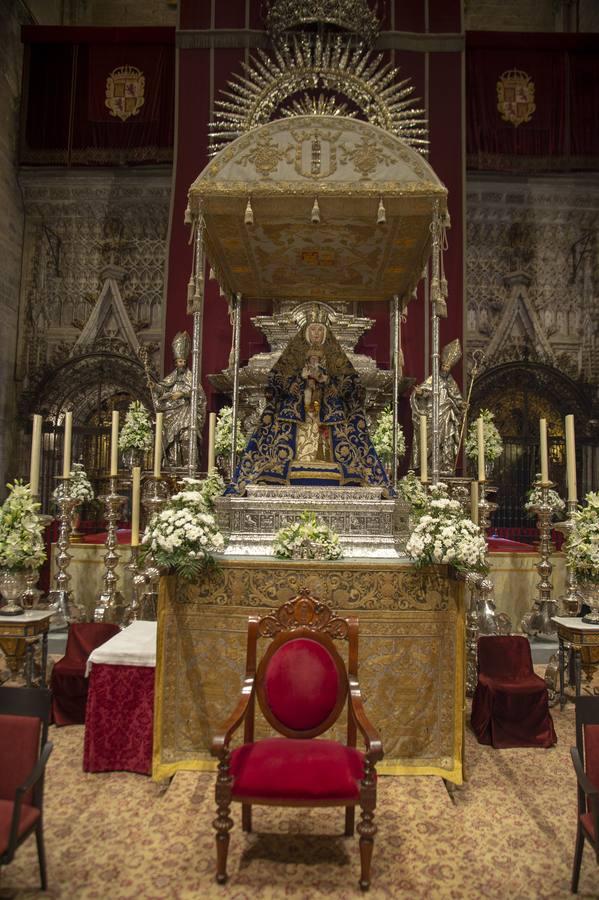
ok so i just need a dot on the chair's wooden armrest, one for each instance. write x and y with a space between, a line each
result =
221 739
374 745
37 771
584 781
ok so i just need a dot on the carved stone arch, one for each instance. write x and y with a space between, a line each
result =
68 385
520 392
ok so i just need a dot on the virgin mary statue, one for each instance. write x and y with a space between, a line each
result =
313 429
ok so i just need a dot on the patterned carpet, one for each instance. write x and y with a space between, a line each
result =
508 833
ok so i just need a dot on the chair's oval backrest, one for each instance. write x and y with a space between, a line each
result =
301 684
504 656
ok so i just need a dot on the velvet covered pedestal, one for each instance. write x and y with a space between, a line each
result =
120 706
510 705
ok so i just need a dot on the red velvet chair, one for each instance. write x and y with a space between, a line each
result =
510 706
24 752
68 682
585 756
301 685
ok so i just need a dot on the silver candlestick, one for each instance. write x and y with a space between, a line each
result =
31 594
571 601
111 602
154 496
472 634
538 620
59 599
134 610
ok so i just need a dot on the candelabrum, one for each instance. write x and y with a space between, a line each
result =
134 610
482 615
154 495
59 599
571 601
110 603
538 620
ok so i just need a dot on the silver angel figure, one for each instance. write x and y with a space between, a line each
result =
451 412
172 396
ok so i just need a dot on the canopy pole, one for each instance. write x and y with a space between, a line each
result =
195 306
435 297
396 376
236 305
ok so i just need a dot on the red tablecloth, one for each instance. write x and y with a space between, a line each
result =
119 719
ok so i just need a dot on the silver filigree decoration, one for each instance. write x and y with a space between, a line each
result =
353 16
310 71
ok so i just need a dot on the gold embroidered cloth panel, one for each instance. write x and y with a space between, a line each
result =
411 653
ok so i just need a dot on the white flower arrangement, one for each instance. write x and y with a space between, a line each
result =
21 530
136 433
79 487
309 538
535 497
382 438
184 534
493 440
224 431
411 489
208 488
582 550
443 535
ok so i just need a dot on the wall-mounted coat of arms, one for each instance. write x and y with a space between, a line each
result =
125 88
516 97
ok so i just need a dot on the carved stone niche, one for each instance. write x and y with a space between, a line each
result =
279 329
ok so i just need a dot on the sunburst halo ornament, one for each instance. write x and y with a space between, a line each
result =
349 78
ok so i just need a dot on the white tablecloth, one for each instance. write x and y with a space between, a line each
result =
134 646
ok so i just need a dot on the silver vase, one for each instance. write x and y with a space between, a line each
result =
13 583
590 594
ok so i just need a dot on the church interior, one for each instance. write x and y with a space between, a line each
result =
299 449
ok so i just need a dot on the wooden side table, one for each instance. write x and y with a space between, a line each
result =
18 637
577 634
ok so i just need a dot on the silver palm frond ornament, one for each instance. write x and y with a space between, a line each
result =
320 74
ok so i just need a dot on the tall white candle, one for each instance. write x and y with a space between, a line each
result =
480 437
68 441
158 445
114 444
135 498
211 438
571 457
36 446
423 449
474 501
544 456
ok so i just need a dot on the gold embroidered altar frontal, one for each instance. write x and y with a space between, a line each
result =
411 655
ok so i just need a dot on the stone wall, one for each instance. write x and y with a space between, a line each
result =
12 16
533 271
530 15
105 12
78 223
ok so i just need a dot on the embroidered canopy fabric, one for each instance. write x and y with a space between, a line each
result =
316 186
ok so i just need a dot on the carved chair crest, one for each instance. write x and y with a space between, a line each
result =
303 611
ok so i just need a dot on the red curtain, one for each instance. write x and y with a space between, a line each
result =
72 109
555 78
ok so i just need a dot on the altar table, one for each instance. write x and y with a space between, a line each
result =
579 636
411 654
120 704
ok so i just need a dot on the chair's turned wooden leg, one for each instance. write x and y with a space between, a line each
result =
246 817
223 822
366 827
577 859
41 855
350 816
